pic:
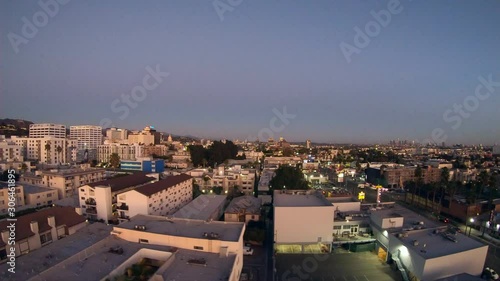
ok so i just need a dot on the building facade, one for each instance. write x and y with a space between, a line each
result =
160 198
98 200
47 130
65 181
144 164
89 138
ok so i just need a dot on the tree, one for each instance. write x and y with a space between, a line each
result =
59 150
217 190
444 185
47 149
24 168
114 160
418 183
196 190
234 192
288 177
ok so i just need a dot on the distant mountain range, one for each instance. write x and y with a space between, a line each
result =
14 127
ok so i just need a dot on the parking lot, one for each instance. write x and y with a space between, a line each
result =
363 266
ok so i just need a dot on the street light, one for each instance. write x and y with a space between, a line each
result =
471 220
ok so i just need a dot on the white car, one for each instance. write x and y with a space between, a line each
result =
247 251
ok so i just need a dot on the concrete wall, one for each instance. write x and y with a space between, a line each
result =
103 203
137 203
303 224
347 206
411 259
471 262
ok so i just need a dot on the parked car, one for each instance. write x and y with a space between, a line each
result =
443 219
247 251
489 274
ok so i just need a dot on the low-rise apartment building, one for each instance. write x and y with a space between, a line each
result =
36 196
160 198
39 229
203 207
66 181
98 200
4 197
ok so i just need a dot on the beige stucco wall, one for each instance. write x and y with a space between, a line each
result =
303 224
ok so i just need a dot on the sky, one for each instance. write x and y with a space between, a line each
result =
230 68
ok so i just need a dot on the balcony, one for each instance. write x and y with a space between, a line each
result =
90 202
123 207
123 217
91 211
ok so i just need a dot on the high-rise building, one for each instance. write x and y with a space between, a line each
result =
47 129
89 138
47 149
308 144
148 136
114 135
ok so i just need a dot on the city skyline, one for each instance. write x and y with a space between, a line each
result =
226 77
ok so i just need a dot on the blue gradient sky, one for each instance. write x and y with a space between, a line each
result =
227 76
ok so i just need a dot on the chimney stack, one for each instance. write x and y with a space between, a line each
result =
51 220
34 226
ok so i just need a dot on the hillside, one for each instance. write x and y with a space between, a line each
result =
14 127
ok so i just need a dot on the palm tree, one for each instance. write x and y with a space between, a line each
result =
47 149
418 183
483 179
59 150
444 183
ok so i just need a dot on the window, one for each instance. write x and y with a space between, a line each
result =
337 227
45 238
144 241
198 248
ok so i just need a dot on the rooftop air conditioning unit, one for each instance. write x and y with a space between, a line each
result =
415 242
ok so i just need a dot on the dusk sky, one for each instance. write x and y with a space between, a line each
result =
228 73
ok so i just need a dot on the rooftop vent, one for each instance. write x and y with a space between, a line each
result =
415 243
140 227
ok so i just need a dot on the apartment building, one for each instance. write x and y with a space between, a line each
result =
35 230
10 151
395 177
66 181
98 200
47 130
226 177
89 138
37 196
243 209
154 150
160 198
4 197
203 207
124 151
47 149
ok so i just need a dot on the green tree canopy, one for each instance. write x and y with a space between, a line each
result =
288 177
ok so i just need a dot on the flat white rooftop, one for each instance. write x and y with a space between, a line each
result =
202 207
228 231
299 198
410 218
437 245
